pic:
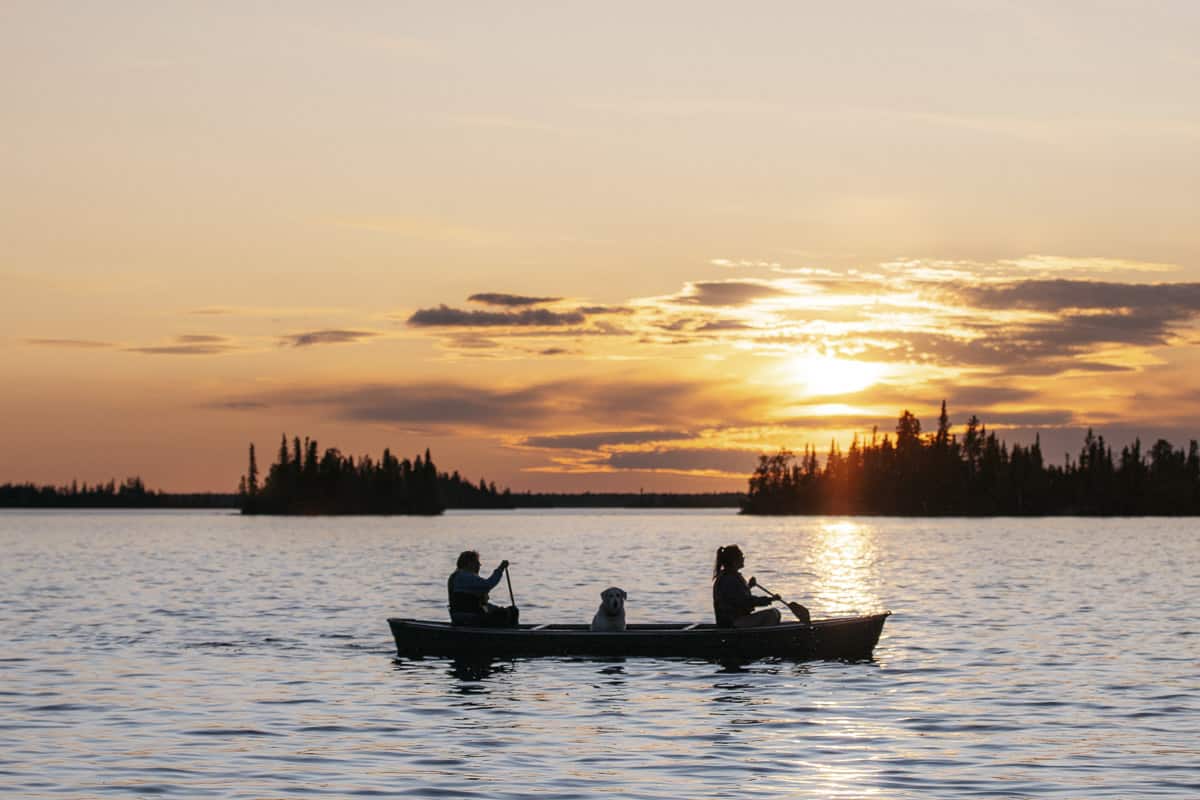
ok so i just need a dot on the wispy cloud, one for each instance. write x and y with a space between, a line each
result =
189 345
1060 264
727 293
237 405
201 338
446 317
310 338
1061 294
181 350
533 407
597 439
501 299
737 463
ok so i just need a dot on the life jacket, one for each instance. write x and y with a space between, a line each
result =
463 602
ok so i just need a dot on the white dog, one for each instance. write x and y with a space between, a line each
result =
611 614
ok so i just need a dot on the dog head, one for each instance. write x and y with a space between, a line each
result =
612 601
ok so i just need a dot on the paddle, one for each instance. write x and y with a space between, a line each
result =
800 612
512 600
512 611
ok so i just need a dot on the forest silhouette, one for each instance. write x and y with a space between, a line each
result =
939 474
132 493
306 481
908 474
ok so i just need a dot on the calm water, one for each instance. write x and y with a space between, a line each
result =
202 654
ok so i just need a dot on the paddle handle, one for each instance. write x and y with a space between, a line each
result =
512 600
760 586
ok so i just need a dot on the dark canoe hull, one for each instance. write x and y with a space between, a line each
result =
846 638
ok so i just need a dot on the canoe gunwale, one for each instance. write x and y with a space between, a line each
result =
841 638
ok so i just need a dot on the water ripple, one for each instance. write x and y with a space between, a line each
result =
201 654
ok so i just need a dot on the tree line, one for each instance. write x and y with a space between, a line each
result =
942 474
305 480
132 493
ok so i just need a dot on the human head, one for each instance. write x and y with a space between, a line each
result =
729 559
469 560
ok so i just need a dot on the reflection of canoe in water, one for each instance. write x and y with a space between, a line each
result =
843 638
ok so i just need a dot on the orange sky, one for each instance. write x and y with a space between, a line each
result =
577 248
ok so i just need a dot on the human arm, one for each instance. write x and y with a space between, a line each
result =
473 584
758 600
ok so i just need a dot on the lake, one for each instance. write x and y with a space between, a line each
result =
202 654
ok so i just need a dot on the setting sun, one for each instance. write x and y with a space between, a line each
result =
824 375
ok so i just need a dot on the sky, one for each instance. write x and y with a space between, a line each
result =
571 246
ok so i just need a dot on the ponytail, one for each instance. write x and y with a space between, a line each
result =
726 556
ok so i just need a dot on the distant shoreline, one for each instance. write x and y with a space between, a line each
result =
527 500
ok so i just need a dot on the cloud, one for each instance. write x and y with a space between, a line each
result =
730 462
497 299
189 345
472 341
604 310
720 325
311 338
598 439
539 406
553 351
71 343
238 405
445 317
727 293
181 350
1045 263
956 396
200 338
1063 294
1050 418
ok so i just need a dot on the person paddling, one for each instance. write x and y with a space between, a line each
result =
469 595
733 604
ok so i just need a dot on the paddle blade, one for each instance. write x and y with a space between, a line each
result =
801 612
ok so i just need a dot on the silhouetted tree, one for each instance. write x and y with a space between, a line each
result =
309 481
982 476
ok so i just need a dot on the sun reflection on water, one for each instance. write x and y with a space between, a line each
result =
844 558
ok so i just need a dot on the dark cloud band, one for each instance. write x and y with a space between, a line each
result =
510 300
446 317
310 338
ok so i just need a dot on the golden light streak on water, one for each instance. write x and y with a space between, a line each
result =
845 559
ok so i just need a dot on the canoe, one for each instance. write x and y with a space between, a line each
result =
841 638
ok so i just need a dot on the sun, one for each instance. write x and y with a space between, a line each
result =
826 375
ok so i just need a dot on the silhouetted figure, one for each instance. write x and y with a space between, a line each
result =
733 604
469 595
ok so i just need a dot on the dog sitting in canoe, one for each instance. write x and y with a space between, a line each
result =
611 614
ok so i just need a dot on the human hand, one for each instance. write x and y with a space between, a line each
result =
777 598
752 582
504 564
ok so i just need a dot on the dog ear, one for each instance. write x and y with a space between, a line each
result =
624 594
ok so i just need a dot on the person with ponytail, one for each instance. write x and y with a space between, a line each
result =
733 604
